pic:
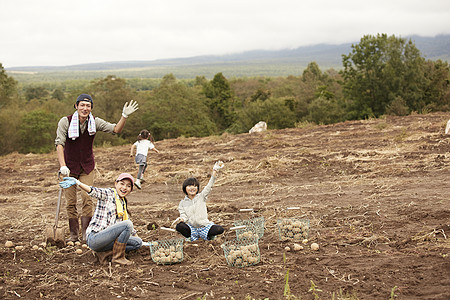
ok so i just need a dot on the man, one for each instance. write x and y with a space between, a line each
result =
74 147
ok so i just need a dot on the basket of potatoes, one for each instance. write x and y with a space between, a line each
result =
242 253
167 252
293 229
253 228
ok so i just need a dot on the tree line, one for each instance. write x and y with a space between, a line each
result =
381 75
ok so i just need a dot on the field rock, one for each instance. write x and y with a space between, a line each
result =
259 127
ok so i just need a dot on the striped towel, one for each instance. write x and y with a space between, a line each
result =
75 124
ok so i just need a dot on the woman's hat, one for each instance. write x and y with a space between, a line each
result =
126 176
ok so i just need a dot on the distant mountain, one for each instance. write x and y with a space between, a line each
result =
250 63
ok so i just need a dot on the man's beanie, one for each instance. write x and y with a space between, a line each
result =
85 97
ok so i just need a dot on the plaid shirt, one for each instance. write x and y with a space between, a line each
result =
105 213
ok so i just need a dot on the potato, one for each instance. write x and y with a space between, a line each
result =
287 249
238 261
78 251
314 246
9 244
19 247
70 243
298 247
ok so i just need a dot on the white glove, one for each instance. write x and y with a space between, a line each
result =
179 219
64 171
128 109
218 165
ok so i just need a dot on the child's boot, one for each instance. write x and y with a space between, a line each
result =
137 183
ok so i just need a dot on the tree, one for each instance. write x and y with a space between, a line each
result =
37 92
8 88
37 132
437 92
10 119
220 101
276 112
378 70
110 94
58 94
174 110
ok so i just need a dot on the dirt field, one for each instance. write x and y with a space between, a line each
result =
376 193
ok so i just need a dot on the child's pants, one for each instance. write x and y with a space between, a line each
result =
141 160
205 232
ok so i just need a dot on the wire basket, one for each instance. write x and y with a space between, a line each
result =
242 253
253 228
167 252
293 229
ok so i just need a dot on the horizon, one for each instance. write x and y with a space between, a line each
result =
86 32
206 55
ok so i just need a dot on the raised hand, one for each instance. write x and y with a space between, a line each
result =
128 109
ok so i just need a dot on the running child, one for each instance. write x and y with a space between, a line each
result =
142 145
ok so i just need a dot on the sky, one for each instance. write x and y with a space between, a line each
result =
61 33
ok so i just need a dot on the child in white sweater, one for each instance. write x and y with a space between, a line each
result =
193 220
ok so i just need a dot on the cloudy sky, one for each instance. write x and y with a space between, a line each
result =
59 32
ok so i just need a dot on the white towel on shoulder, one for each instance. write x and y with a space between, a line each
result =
75 124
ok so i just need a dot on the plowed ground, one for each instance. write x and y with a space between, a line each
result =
376 193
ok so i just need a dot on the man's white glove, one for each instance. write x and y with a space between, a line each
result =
218 165
128 109
64 170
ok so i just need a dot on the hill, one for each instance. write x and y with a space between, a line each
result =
375 193
247 64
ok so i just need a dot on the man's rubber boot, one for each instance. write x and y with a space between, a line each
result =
74 228
118 255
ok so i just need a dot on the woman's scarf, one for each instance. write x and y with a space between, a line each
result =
121 207
75 124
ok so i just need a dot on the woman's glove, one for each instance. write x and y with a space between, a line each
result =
128 109
218 165
68 182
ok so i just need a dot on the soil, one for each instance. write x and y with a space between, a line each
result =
375 193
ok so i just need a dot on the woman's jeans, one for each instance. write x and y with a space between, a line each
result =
104 240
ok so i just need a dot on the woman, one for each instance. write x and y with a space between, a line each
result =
110 231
